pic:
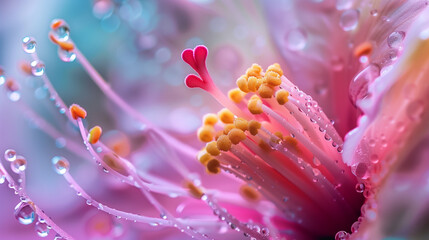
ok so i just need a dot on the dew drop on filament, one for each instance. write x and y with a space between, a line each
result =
24 213
349 19
37 68
29 44
66 56
10 155
62 32
19 164
61 165
41 229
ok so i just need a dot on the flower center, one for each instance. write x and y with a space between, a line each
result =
277 140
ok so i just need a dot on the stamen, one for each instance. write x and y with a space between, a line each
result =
94 134
77 111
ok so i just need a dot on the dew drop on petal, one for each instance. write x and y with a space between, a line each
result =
360 187
61 165
296 39
361 171
24 213
10 155
374 12
66 56
349 19
359 86
374 158
29 44
41 229
37 68
395 39
415 110
341 235
344 4
19 164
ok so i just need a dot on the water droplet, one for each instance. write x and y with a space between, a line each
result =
360 187
37 68
88 202
58 237
61 32
296 39
24 213
373 12
355 227
395 39
19 164
316 161
375 158
341 235
61 165
66 56
41 229
349 19
359 86
415 110
29 44
361 171
163 216
10 155
344 4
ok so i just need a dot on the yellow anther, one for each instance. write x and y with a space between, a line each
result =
255 105
275 68
94 134
265 91
194 190
279 135
206 133
77 111
236 136
210 119
241 123
204 157
236 95
264 146
253 84
249 193
254 126
212 149
282 96
213 166
273 78
227 128
255 70
291 141
242 84
223 143
226 116
219 133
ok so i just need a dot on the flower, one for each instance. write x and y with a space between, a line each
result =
274 165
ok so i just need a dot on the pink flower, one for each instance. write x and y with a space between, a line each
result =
274 165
